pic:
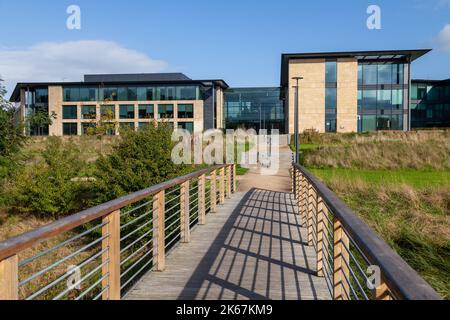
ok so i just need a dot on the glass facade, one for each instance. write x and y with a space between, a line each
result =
254 108
430 104
186 111
88 112
131 93
126 111
381 87
146 111
165 111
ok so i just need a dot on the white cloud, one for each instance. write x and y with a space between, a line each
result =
69 61
443 38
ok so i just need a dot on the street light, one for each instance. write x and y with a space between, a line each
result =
296 117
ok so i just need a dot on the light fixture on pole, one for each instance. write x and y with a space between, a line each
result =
296 119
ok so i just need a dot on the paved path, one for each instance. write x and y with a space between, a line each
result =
252 248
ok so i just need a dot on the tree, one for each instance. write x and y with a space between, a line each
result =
40 119
105 126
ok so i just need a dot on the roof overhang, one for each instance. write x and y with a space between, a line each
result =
369 56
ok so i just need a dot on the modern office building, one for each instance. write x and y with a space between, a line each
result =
339 92
430 104
133 100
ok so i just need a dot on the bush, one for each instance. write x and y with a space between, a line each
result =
49 185
139 160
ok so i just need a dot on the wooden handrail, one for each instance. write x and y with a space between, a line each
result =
399 277
12 246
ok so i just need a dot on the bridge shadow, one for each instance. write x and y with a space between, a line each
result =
259 254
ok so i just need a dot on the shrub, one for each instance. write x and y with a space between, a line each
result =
139 160
48 186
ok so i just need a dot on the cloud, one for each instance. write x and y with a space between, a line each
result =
69 61
443 39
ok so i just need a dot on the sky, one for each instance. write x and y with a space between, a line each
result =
240 41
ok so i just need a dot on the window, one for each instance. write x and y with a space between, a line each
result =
384 99
146 111
165 111
330 98
88 128
331 72
71 94
126 111
187 93
127 94
70 112
370 74
360 74
108 94
384 123
397 99
88 94
330 122
186 111
189 126
368 123
70 129
397 73
41 96
108 111
384 74
369 99
88 112
414 95
360 99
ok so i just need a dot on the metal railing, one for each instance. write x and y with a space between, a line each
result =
101 252
347 249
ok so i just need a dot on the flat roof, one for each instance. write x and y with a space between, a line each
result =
15 96
360 55
445 81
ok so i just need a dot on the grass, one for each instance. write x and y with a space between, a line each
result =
399 184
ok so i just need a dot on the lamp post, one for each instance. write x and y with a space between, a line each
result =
296 117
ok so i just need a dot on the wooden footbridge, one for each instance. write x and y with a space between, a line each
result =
201 236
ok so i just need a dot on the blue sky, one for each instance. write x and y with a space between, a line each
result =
239 41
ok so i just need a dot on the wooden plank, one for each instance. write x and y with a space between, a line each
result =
312 214
229 169
341 272
201 200
9 278
213 191
321 212
382 292
304 201
234 179
184 212
222 186
112 244
159 252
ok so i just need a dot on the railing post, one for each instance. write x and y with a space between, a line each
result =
234 179
382 292
9 278
111 256
321 211
340 272
294 181
229 182
222 186
304 201
213 191
159 254
184 212
311 213
201 200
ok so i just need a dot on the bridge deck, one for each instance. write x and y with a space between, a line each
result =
252 248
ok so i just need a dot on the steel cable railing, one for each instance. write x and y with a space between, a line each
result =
101 252
348 250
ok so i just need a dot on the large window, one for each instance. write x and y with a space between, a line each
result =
369 100
88 94
127 94
41 96
88 112
384 100
146 111
70 129
165 111
369 123
385 74
70 112
370 74
186 111
88 128
126 111
331 72
73 94
330 98
108 94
